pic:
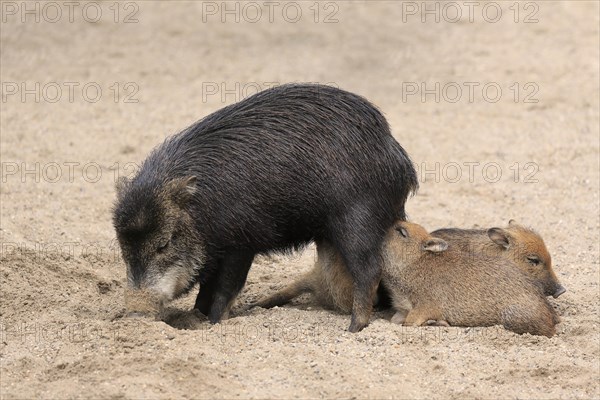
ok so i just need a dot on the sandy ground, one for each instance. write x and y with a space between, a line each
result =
529 152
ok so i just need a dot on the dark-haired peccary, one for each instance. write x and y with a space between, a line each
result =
287 166
520 244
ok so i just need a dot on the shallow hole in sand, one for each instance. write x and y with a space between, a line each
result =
183 319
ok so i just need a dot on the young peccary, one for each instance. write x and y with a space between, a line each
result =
332 287
522 245
329 281
287 166
433 283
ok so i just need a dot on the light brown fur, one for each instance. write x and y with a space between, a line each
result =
430 281
438 286
328 281
520 244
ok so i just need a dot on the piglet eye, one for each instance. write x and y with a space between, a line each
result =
402 231
533 260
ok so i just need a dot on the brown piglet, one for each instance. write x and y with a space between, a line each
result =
431 282
328 281
434 283
520 244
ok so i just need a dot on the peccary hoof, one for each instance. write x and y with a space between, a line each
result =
398 318
435 322
560 290
356 326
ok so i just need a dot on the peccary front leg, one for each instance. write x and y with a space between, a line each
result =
402 305
233 270
536 319
206 295
399 317
208 284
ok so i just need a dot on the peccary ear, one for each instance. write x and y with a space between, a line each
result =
121 185
499 236
435 245
182 189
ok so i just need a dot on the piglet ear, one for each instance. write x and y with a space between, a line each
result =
499 236
181 190
435 245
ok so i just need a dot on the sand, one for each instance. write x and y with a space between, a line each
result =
529 152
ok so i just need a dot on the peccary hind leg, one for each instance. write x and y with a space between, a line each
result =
283 296
436 322
359 245
425 316
364 264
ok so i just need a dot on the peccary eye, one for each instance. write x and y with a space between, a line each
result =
162 246
402 231
533 260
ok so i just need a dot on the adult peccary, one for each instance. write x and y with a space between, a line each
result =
287 166
517 243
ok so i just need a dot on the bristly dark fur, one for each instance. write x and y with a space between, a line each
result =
287 166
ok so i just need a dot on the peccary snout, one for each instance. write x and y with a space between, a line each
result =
142 303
